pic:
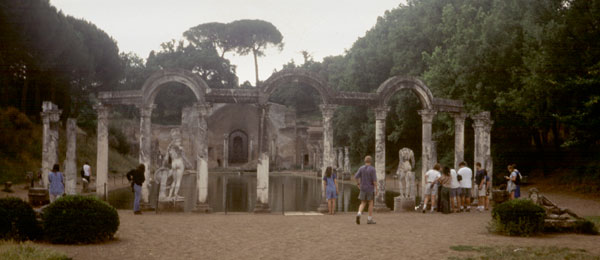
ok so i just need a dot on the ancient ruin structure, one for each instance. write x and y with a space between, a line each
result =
50 118
259 142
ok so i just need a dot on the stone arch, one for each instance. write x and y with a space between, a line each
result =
295 75
192 81
388 88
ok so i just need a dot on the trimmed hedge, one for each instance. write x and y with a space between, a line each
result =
17 220
519 217
79 219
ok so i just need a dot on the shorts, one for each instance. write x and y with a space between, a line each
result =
431 190
510 187
362 196
331 194
455 192
464 192
482 192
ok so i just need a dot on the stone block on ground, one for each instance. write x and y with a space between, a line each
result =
403 204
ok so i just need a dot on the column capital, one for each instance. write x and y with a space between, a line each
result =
226 136
427 115
327 110
459 117
381 112
203 109
50 112
481 119
146 109
102 110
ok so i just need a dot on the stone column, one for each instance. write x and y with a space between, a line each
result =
225 150
262 167
459 138
327 110
380 116
50 117
145 152
201 153
71 158
340 160
488 163
480 122
427 119
347 159
102 150
251 148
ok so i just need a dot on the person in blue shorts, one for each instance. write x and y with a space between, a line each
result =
331 189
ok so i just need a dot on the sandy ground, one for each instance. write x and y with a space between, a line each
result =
273 236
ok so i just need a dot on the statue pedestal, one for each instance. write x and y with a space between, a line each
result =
404 204
202 208
171 206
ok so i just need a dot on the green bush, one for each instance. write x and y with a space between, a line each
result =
520 217
17 220
79 219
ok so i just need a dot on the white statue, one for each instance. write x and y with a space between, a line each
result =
178 164
404 172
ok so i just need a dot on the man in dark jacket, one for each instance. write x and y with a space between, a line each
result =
136 177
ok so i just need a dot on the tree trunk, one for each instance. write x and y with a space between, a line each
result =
255 64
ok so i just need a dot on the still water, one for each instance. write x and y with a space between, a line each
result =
236 192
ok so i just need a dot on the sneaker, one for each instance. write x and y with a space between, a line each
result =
423 211
371 222
357 220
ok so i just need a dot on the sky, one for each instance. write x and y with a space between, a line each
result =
321 27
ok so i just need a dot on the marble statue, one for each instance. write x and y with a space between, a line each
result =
552 210
176 160
405 173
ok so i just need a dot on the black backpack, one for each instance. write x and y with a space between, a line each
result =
518 179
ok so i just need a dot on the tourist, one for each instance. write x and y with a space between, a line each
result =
517 182
511 187
431 186
331 189
446 182
480 179
87 173
454 191
466 175
488 185
56 183
136 177
366 179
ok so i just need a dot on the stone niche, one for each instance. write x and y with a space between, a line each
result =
236 125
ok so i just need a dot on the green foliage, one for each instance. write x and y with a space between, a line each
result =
519 217
20 145
46 55
79 219
121 144
17 220
28 251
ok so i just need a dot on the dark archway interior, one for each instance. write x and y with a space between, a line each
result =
171 98
238 147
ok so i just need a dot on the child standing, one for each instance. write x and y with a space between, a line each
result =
331 190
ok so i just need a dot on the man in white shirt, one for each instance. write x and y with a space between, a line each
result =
465 184
431 187
454 191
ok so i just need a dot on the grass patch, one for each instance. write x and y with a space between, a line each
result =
28 251
515 252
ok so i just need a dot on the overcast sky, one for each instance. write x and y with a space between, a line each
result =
321 27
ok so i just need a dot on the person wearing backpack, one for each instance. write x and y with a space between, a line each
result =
511 186
518 180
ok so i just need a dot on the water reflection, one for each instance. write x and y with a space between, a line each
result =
237 193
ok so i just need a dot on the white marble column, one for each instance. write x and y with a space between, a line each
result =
102 150
250 148
347 159
71 158
487 150
225 150
480 122
327 110
426 156
50 117
145 152
201 153
380 117
459 138
262 167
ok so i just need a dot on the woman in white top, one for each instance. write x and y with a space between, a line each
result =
511 186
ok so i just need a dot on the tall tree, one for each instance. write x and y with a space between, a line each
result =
253 36
218 34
